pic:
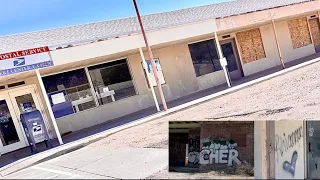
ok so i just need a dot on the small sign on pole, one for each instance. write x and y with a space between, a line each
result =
223 62
148 69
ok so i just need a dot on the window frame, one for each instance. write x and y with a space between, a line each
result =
239 47
90 81
201 41
307 27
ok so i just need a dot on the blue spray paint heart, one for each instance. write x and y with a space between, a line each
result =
291 167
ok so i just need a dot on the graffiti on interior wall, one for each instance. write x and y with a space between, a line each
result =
291 167
311 131
194 149
193 157
285 141
219 152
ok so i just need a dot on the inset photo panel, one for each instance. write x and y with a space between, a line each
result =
211 149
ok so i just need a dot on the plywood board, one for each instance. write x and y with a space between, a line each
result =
299 32
251 45
315 31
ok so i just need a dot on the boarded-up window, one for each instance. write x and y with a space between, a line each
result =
299 32
251 46
315 31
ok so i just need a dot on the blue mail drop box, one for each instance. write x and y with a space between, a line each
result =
35 129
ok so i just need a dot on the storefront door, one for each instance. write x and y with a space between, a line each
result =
12 104
230 53
313 149
315 32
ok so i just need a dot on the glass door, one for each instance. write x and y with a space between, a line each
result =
12 136
230 53
24 100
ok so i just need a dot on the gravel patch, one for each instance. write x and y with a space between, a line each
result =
152 134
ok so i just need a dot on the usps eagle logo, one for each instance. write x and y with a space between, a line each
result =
19 62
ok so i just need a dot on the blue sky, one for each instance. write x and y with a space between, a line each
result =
18 16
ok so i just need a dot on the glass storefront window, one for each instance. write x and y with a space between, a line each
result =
69 92
112 81
204 57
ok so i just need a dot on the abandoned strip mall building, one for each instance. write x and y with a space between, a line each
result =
85 75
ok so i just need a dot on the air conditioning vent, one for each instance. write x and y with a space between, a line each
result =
16 84
226 36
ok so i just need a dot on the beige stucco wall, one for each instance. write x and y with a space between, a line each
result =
271 59
286 46
101 114
211 80
177 69
180 80
271 51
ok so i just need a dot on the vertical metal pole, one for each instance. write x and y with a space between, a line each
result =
148 78
44 93
93 92
151 58
187 155
221 57
277 42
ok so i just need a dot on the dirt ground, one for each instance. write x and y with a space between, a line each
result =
291 96
153 134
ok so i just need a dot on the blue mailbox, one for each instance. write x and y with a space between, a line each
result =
35 129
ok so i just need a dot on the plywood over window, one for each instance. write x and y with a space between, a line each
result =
299 32
251 45
315 31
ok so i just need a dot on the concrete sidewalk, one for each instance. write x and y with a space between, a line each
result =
79 140
99 163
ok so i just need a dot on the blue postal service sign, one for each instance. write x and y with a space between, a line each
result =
25 60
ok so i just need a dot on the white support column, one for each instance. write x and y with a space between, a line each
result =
93 92
223 60
148 78
44 93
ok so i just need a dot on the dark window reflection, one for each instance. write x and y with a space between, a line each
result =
8 133
204 57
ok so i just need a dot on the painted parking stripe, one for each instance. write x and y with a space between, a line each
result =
54 171
21 174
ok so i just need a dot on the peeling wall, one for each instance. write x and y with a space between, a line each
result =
289 150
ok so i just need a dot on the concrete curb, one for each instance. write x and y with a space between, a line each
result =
67 148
